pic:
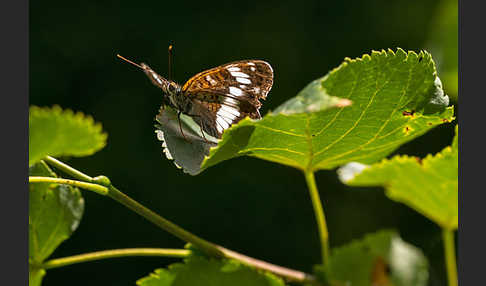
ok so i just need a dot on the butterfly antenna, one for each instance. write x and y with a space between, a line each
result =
129 61
170 62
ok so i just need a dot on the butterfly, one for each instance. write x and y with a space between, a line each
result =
219 97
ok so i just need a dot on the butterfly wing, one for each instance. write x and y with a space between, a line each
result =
226 94
214 117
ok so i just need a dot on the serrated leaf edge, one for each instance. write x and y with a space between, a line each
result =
79 117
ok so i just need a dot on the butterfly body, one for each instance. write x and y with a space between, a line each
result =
218 97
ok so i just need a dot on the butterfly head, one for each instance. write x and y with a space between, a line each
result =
170 88
173 88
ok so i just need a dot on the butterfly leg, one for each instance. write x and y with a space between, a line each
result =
180 125
202 132
200 127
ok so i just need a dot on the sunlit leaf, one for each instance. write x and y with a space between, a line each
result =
201 271
57 132
395 98
429 185
379 259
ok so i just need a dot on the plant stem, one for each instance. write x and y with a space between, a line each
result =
87 186
450 256
166 225
204 245
319 213
208 247
99 255
67 169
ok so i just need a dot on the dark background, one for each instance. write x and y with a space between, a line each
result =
252 206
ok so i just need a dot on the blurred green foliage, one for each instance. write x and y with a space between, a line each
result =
55 212
429 185
69 134
443 44
256 207
198 270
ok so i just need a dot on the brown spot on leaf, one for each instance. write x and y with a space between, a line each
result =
380 273
408 113
419 160
429 123
445 120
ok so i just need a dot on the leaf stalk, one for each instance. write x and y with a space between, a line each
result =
114 253
319 213
450 256
87 186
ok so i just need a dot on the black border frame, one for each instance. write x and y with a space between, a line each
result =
14 209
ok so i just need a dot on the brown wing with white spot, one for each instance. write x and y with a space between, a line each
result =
231 91
214 118
253 77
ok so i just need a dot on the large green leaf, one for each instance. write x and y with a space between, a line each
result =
429 186
379 259
201 271
57 132
395 98
54 213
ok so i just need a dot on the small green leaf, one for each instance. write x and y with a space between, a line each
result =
395 98
54 213
429 186
57 132
201 271
379 259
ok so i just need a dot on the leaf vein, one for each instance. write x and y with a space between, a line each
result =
341 109
357 121
270 149
281 131
397 106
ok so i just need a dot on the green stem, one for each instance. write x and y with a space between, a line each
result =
87 186
67 169
99 255
163 223
450 256
319 213
204 245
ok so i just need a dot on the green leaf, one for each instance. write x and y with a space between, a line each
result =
54 213
379 259
201 271
57 132
429 186
395 98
